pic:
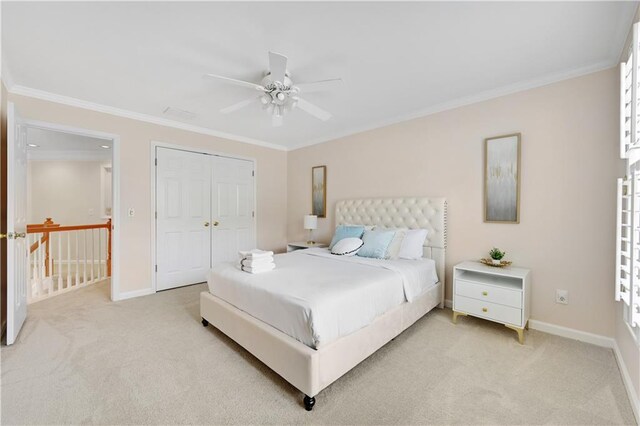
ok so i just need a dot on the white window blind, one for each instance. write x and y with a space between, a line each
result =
629 98
628 247
627 279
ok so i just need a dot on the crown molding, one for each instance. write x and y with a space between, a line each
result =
79 103
464 101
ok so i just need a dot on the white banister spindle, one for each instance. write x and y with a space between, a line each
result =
60 282
93 255
77 275
69 283
84 255
99 253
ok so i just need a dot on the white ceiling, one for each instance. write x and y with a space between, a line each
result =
398 60
54 145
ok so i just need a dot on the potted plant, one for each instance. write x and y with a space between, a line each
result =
496 255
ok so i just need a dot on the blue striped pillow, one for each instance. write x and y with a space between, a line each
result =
346 231
376 244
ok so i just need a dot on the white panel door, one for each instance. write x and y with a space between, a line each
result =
183 205
17 255
232 207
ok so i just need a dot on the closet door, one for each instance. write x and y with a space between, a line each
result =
183 206
232 209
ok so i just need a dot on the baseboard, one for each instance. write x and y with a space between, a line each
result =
134 293
448 303
628 383
572 333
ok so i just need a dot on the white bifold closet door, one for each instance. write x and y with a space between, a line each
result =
232 206
205 209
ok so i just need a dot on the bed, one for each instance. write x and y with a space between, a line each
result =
312 337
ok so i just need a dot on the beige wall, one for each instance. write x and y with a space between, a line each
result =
67 191
569 165
135 187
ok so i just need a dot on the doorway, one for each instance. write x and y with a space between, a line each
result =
20 268
204 208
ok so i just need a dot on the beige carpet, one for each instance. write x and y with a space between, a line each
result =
83 359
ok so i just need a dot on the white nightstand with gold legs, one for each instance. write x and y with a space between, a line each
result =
497 294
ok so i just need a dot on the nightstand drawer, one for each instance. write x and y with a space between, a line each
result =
492 311
493 294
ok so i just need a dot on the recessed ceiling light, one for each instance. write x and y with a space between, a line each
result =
33 145
105 146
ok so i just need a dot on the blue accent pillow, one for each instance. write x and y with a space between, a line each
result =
346 231
376 244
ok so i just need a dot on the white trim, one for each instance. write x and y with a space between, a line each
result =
572 333
37 155
135 293
464 101
92 106
628 383
115 185
152 155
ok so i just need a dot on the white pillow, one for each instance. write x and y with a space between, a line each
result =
411 247
347 246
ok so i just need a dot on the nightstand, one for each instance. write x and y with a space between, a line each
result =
303 245
500 295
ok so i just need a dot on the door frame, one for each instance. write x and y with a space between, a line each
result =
115 190
152 158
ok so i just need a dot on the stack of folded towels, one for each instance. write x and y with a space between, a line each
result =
256 261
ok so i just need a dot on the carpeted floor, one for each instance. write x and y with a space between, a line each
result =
82 359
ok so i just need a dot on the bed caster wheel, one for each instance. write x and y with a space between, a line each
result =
309 402
205 322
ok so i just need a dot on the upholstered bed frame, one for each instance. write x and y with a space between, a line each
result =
311 370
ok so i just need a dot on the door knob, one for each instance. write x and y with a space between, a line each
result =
206 224
3 236
216 223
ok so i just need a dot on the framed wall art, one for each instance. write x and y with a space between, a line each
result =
502 179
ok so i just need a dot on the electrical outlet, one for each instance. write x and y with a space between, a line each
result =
131 212
562 297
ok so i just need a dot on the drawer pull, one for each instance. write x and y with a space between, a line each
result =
485 293
484 309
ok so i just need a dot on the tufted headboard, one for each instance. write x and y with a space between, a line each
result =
412 213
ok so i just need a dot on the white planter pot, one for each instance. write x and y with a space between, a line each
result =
496 262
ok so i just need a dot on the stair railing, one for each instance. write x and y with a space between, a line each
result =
63 258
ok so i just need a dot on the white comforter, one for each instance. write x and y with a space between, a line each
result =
316 297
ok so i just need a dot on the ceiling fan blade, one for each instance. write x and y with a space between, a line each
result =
277 66
276 120
310 108
237 106
236 82
318 86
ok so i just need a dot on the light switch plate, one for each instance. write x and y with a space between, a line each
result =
131 212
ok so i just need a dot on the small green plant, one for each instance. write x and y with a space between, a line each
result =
496 254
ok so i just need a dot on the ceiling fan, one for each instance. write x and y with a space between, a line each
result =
278 93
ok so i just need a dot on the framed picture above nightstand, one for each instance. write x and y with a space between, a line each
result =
303 245
500 295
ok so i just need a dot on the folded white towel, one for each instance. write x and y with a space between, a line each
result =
258 269
254 254
261 261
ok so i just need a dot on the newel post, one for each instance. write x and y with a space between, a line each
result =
109 248
47 223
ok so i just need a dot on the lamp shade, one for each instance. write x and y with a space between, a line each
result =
310 221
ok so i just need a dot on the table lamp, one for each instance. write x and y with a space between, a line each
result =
310 223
